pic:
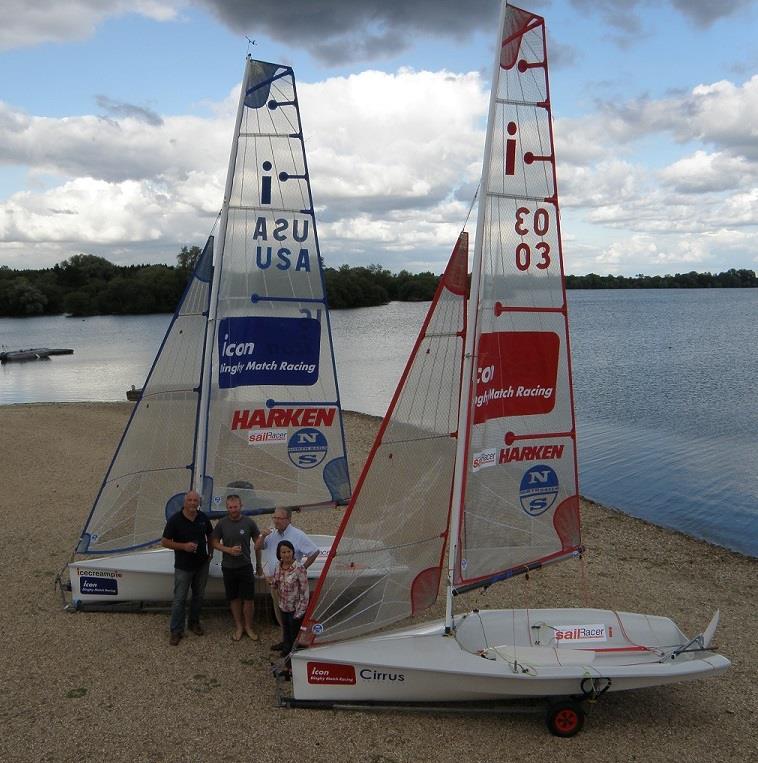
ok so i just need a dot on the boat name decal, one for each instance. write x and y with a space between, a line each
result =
97 573
369 674
277 418
263 350
576 633
538 490
330 673
282 257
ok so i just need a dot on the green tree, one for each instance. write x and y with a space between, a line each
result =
21 297
188 257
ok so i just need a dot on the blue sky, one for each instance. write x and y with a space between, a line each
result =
116 118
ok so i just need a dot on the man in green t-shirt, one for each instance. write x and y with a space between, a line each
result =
232 536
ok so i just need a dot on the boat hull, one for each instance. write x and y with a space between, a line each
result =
425 665
148 576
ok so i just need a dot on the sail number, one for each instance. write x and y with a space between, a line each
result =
540 224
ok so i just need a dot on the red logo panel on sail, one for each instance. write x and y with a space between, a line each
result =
516 374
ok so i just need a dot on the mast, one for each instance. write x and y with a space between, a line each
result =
464 406
210 329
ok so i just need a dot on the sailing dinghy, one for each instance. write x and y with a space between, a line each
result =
242 396
477 453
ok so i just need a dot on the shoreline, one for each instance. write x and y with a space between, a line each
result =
89 686
374 421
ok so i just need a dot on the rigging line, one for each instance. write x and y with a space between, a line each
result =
384 549
411 440
471 207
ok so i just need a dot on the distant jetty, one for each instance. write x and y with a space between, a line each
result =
33 353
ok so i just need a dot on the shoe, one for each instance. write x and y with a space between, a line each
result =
197 629
277 647
175 639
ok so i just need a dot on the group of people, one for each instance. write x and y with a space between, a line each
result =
281 554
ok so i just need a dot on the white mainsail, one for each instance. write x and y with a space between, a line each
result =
243 395
273 408
520 505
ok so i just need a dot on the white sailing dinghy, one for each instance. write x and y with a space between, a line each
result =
242 396
478 452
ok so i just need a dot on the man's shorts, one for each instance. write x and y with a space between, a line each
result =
239 582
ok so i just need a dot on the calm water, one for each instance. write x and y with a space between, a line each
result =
666 410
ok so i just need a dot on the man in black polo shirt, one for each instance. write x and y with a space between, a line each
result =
188 534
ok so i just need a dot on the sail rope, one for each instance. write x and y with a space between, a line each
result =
584 582
471 207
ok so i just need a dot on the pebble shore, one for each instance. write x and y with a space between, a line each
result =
108 687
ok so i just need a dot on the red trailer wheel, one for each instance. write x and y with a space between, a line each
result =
565 718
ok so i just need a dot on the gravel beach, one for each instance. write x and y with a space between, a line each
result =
108 687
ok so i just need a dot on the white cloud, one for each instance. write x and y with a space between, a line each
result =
394 159
702 172
27 23
386 153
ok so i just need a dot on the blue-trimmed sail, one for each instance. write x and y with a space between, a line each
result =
274 419
242 397
153 461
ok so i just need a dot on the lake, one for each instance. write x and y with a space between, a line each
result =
666 409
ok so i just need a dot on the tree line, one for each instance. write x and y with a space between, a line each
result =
729 279
88 285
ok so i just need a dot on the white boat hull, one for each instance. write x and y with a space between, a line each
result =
422 664
148 576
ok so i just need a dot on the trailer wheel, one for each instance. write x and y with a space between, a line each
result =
565 718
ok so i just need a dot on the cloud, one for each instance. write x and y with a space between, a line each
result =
337 31
706 12
119 109
31 23
628 16
702 172
394 161
389 155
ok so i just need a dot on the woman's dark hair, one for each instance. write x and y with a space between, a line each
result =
279 548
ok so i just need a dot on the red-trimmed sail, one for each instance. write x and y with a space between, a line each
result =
520 504
386 561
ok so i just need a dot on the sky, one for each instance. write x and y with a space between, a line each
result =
116 120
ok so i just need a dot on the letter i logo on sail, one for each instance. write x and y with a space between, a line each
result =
510 150
266 184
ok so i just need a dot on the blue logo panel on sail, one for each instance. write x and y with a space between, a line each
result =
538 490
268 351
